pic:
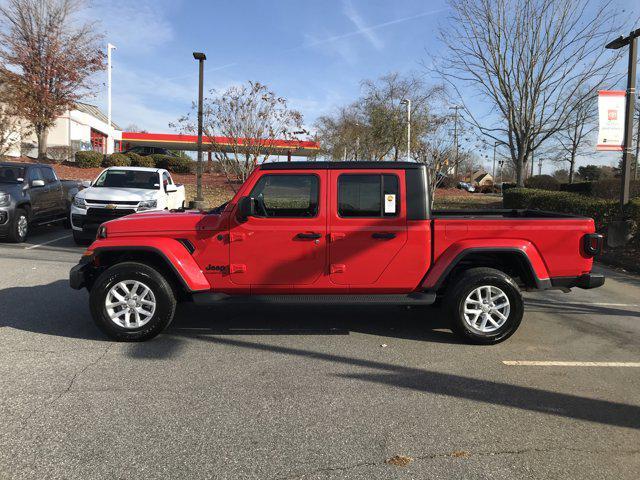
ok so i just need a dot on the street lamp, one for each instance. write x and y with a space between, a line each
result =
455 138
407 102
632 41
199 201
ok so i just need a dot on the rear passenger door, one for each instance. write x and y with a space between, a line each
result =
55 205
367 224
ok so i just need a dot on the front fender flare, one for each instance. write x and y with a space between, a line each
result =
172 251
458 250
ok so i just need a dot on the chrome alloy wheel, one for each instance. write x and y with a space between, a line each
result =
486 309
130 304
23 225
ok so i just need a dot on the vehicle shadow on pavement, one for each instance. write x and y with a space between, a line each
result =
55 309
458 386
550 306
427 324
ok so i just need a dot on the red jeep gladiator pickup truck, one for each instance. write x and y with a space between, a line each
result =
334 232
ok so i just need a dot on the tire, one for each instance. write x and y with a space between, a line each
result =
161 293
470 290
79 239
19 226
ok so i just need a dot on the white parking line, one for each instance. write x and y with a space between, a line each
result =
47 243
536 363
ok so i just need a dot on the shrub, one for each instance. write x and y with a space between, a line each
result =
542 182
507 185
580 187
88 159
446 182
602 211
58 153
173 164
610 188
140 161
116 160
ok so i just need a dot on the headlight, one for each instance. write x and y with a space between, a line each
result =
5 199
102 232
147 205
79 202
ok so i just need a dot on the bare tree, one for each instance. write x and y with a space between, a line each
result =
574 138
374 127
242 125
46 59
530 60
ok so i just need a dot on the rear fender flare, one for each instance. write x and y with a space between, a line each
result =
456 252
174 254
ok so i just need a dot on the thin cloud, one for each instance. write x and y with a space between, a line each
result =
368 32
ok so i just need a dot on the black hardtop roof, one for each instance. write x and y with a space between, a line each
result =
359 165
23 164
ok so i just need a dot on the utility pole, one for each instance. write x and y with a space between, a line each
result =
632 42
455 139
540 166
199 201
635 173
109 133
493 171
407 102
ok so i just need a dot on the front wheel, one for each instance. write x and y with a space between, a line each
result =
485 306
19 226
132 302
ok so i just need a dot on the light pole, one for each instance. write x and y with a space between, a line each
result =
199 201
493 172
632 41
455 139
407 102
109 48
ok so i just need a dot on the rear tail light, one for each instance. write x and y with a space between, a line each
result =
592 244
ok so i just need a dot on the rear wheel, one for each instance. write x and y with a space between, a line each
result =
485 306
19 226
132 302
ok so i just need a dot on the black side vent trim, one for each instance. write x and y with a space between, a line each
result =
187 244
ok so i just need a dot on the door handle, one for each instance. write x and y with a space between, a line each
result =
309 236
384 235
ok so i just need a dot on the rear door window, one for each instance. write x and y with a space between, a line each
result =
368 195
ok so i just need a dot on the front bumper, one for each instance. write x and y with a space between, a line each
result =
585 281
82 274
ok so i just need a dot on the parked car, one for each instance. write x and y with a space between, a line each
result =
359 233
31 194
466 186
144 151
120 191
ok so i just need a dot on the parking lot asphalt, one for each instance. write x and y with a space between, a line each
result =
321 393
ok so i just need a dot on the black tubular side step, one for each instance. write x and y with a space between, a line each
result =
208 298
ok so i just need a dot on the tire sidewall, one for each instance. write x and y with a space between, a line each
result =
15 234
165 302
516 307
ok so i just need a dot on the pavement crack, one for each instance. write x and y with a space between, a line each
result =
79 373
301 476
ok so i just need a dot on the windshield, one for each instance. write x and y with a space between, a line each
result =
128 179
11 174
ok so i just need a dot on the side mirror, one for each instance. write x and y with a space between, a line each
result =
37 183
170 188
85 183
246 207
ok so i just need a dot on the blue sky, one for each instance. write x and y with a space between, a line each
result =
314 53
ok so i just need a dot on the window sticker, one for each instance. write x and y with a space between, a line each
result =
389 203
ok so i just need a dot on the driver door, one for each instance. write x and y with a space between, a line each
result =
284 244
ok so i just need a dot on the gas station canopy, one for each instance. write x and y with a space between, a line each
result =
171 141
